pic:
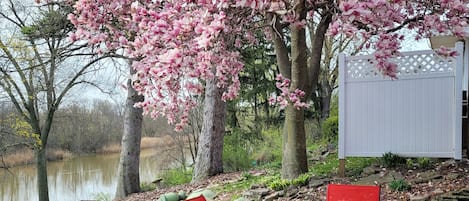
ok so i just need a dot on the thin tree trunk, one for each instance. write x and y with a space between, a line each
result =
210 147
41 165
326 100
128 171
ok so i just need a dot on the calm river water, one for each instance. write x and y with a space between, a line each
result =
80 178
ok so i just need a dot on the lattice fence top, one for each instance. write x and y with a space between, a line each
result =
409 64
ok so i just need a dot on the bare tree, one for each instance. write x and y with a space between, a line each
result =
39 65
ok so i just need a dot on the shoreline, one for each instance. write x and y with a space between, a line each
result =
26 156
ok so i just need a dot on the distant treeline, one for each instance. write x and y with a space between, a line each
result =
79 127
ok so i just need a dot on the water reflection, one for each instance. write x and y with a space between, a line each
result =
80 178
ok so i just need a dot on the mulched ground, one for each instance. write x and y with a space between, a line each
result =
451 177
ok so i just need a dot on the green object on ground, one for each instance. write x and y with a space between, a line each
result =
207 194
182 195
169 197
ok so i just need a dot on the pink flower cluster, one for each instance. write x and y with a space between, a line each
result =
375 22
174 45
177 45
286 96
446 52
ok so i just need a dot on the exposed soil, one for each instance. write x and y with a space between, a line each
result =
439 181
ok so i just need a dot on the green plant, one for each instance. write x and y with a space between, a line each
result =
247 176
239 186
392 160
330 129
423 162
269 150
235 154
102 196
279 184
409 163
326 167
356 165
399 185
301 180
147 187
175 177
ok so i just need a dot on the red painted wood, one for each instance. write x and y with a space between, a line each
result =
340 192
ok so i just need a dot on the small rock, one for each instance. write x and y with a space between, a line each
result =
426 177
419 197
380 178
316 183
452 176
254 186
272 196
249 195
448 163
261 191
437 192
281 193
370 170
292 191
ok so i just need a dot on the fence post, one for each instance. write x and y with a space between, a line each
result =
457 136
342 77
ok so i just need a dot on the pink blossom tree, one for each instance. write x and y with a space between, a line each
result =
182 44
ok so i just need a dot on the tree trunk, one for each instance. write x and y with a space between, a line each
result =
325 100
294 161
210 147
128 171
41 165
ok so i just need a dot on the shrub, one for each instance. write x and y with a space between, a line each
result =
175 177
269 150
330 129
235 154
423 162
392 160
399 185
147 187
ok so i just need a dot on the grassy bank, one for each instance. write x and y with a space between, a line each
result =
146 142
26 156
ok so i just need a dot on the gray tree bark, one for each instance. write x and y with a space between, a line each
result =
294 160
128 171
210 147
41 165
303 71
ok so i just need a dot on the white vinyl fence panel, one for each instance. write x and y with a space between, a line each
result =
416 115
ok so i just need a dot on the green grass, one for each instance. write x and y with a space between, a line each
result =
176 176
147 187
102 196
399 185
239 186
354 166
330 165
